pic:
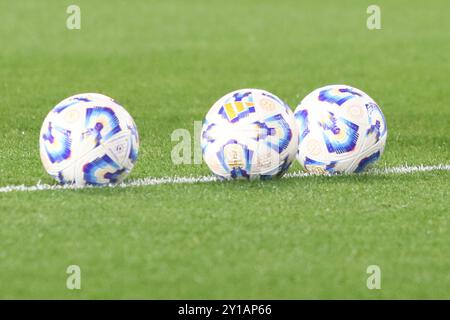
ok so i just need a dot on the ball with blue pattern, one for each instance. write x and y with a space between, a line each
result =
341 130
90 139
249 134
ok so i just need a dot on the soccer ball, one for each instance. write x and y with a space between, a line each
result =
248 134
341 130
88 139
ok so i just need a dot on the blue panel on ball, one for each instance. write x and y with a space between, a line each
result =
284 166
57 143
376 120
338 96
340 135
112 170
133 155
239 173
329 167
274 126
63 106
102 123
302 118
239 96
206 136
367 161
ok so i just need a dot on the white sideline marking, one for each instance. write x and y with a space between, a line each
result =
189 180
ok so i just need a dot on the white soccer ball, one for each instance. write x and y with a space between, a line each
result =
248 134
88 139
341 130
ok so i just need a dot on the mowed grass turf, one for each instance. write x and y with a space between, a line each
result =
167 63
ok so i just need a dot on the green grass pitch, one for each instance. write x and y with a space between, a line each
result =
167 62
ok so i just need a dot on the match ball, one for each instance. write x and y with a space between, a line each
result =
341 130
88 139
249 134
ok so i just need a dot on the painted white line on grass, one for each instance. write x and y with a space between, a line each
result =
190 180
